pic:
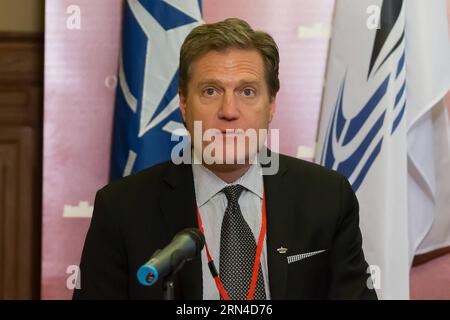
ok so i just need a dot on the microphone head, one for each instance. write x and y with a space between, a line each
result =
147 275
186 245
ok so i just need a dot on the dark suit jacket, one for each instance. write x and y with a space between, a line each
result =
309 208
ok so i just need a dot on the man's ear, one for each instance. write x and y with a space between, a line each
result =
272 107
182 105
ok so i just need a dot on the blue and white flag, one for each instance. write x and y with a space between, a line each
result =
378 78
147 103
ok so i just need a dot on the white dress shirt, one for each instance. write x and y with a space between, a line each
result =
212 203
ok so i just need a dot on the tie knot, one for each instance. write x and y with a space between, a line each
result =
233 192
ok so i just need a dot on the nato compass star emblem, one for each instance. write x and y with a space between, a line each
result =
153 33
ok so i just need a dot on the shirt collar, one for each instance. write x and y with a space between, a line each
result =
207 184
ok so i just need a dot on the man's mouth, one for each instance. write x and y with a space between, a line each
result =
236 132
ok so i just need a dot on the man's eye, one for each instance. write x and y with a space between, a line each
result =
209 91
248 92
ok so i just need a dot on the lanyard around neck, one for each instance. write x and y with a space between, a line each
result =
256 263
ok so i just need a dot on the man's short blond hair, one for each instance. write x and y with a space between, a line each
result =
231 33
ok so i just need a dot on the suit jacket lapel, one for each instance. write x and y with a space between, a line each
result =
178 206
279 210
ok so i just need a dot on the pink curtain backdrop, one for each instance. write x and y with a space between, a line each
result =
78 110
80 69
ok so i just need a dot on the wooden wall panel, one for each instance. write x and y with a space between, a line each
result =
16 188
21 81
21 58
18 104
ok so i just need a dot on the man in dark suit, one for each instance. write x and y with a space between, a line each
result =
289 234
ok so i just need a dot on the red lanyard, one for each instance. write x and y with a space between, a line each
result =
256 264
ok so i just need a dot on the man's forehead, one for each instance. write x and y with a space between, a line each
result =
236 61
249 81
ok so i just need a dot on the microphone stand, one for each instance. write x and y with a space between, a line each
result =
168 288
168 281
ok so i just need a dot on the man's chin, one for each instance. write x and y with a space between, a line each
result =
230 161
224 167
228 157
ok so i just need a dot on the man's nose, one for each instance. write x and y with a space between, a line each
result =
229 109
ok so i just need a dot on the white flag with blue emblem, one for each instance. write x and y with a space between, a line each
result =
147 103
378 89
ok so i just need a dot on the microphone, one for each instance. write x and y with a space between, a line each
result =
185 246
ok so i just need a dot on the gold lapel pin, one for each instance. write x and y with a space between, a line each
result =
282 250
